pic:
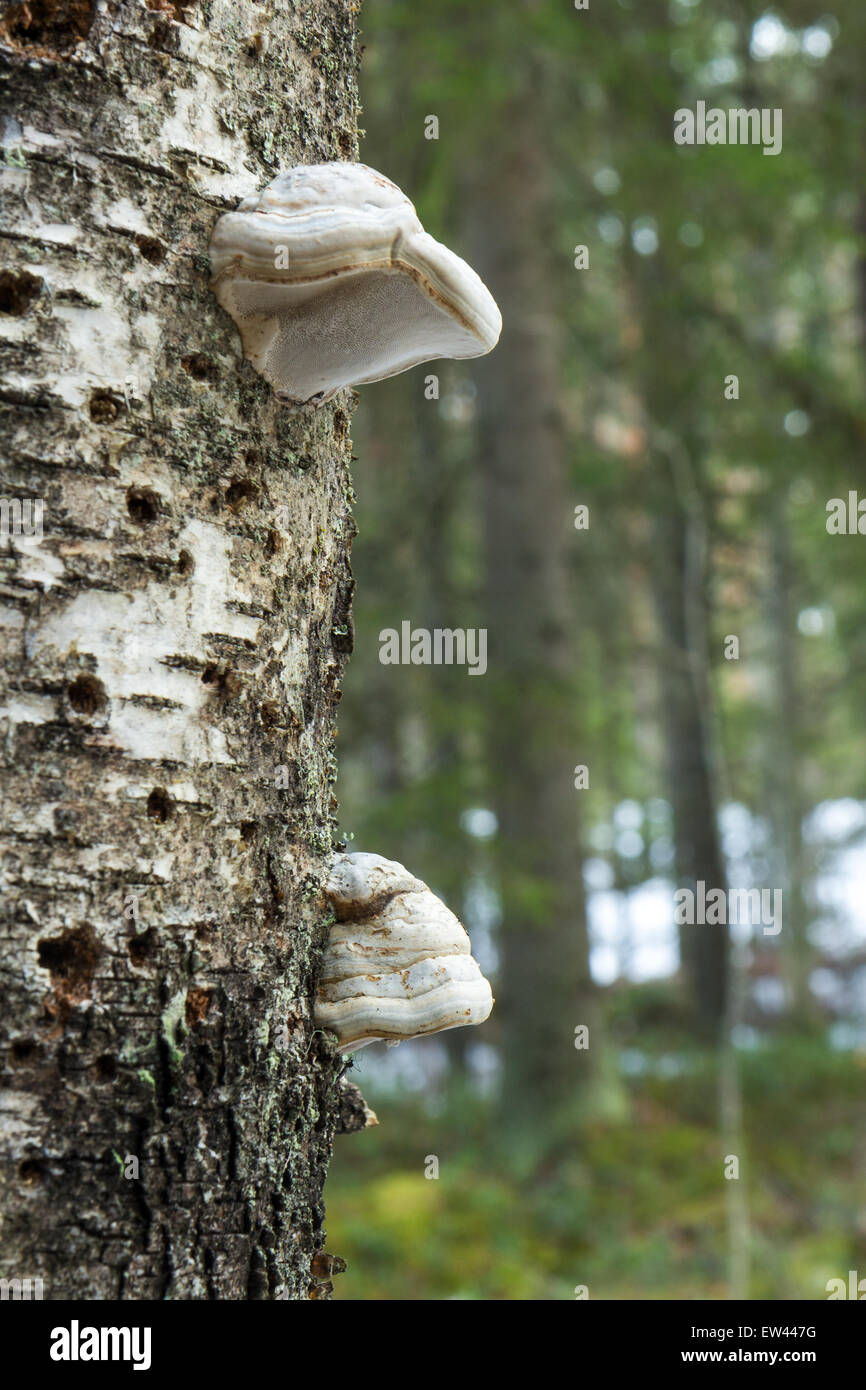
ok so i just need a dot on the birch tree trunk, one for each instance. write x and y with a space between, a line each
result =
173 649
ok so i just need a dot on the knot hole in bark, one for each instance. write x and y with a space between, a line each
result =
87 694
143 506
18 290
159 805
71 961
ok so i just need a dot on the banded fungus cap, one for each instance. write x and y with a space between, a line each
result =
398 963
332 281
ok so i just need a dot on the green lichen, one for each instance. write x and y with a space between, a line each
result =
173 1027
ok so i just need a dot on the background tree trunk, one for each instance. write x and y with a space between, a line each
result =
679 581
175 640
786 794
681 588
546 989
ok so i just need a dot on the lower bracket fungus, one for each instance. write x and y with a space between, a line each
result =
398 963
333 282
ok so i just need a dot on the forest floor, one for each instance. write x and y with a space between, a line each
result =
630 1202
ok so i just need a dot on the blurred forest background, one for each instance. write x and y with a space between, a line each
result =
605 1166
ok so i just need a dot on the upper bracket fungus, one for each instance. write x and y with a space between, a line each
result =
333 282
398 962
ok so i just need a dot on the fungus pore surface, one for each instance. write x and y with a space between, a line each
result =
333 282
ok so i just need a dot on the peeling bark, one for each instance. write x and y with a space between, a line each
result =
173 646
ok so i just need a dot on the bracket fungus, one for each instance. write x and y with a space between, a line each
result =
333 282
398 962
